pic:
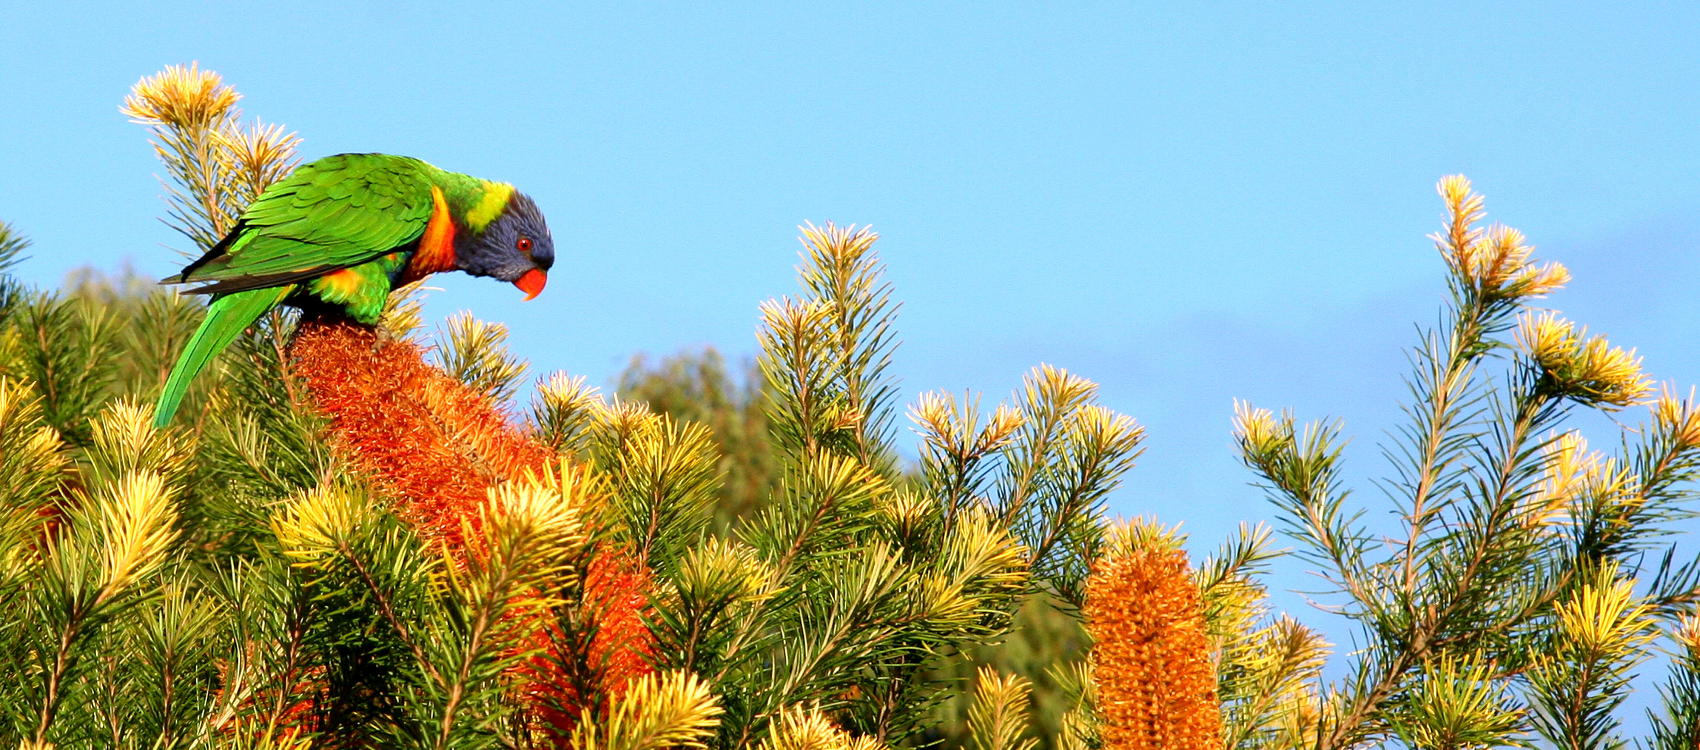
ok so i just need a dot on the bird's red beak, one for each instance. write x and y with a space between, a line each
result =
531 282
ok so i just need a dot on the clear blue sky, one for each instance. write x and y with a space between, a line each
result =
1185 203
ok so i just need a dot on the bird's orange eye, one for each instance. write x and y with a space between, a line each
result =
524 244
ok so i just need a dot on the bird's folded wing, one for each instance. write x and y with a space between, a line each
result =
331 214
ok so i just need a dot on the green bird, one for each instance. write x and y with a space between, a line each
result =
339 233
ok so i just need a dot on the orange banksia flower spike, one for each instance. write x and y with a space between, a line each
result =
587 670
436 446
617 591
426 439
1156 686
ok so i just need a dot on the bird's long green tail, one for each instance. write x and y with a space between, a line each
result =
227 317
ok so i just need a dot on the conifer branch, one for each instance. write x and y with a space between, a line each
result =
1478 564
997 721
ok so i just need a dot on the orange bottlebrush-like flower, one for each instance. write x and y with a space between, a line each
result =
436 446
426 438
578 674
1156 686
616 592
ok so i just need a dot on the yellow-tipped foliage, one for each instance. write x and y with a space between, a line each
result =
1603 630
136 525
1606 619
1155 684
795 338
1571 467
216 166
987 571
124 440
1258 431
658 711
662 478
536 524
722 571
806 728
998 718
1141 535
475 352
1273 673
259 155
30 462
564 412
182 97
580 487
1495 262
1677 417
1459 704
1080 727
321 521
952 426
841 269
1587 369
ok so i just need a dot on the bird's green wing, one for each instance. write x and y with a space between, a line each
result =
333 213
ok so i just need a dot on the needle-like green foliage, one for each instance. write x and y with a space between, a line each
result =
12 246
1601 637
1510 532
998 719
1678 724
474 352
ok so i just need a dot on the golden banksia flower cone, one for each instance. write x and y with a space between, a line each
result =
1156 686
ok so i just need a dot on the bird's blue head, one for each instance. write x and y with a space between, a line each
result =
514 247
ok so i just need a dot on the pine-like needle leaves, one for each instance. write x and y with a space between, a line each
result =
998 720
1508 524
214 166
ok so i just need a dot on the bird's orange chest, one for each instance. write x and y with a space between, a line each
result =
436 250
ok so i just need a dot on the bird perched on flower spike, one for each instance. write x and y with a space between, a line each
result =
341 232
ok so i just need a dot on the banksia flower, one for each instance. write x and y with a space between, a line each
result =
573 676
1155 683
438 446
423 436
616 592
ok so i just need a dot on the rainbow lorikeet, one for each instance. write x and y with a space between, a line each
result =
341 232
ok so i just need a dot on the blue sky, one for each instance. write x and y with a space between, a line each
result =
1186 203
